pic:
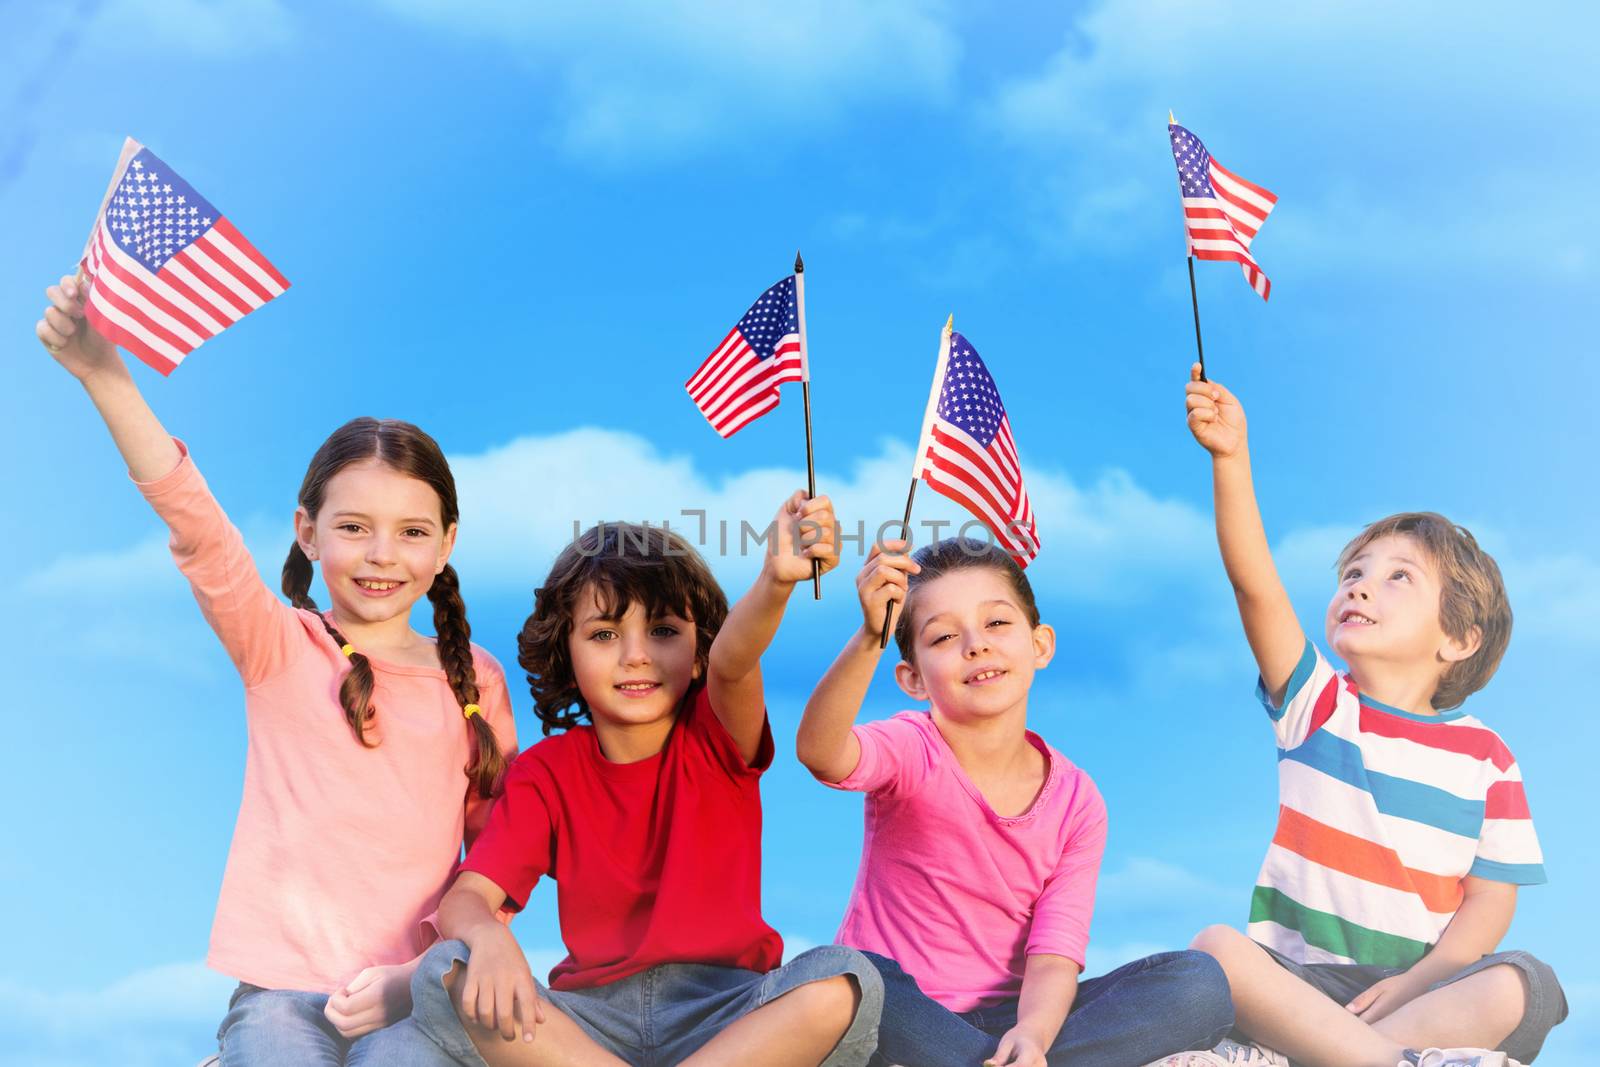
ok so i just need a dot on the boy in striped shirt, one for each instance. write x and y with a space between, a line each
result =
1403 831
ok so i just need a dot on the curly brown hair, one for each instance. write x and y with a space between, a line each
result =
1472 596
624 563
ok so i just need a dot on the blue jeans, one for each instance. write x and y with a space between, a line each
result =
1142 1011
286 1028
656 1018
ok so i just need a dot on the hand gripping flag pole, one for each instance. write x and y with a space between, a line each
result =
805 395
922 447
738 382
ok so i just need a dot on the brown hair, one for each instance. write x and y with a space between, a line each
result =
956 554
407 450
1472 596
625 563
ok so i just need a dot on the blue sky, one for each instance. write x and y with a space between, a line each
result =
524 229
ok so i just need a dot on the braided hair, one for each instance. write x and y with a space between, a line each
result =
407 450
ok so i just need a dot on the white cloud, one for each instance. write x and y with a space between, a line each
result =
170 993
639 79
1108 541
1144 884
1369 91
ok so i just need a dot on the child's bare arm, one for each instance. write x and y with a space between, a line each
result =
1474 932
802 531
146 447
824 742
1216 418
1049 986
498 991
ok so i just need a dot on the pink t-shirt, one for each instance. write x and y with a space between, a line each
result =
956 894
341 853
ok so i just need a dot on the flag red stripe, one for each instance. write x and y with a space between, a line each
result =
139 285
212 319
764 375
225 265
954 490
146 325
114 333
757 407
237 240
713 361
201 271
1009 487
1270 197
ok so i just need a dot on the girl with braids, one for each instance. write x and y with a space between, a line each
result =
373 751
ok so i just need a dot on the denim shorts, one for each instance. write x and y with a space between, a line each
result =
1547 1004
269 1027
661 1016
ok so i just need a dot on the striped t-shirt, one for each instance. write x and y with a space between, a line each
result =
1381 815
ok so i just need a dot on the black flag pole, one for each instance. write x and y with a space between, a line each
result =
905 525
922 446
1194 299
805 397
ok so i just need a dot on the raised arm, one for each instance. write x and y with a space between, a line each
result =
146 447
825 742
804 530
259 632
1216 418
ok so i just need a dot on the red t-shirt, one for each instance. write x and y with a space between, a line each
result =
655 862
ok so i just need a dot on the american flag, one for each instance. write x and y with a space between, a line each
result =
738 382
1221 211
165 270
969 455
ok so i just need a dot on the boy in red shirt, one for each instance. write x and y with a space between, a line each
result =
648 816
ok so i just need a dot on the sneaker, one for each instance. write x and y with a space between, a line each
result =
1227 1054
1250 1055
1457 1057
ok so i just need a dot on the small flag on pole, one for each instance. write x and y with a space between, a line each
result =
165 270
738 382
967 452
1221 211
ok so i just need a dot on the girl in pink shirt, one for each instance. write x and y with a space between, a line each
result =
373 751
983 843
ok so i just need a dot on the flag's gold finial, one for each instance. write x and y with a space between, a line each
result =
950 323
1170 120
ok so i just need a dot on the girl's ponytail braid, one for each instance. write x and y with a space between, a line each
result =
455 655
355 692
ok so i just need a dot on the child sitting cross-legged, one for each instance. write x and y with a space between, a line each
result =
646 811
1403 831
983 843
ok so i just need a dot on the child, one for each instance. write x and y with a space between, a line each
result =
983 843
361 776
1403 831
646 812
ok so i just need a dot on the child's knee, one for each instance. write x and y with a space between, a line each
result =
1221 943
1507 988
831 1002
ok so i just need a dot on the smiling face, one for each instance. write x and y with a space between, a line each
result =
974 651
381 539
1386 609
631 670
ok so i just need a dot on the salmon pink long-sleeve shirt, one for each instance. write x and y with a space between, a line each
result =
341 853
